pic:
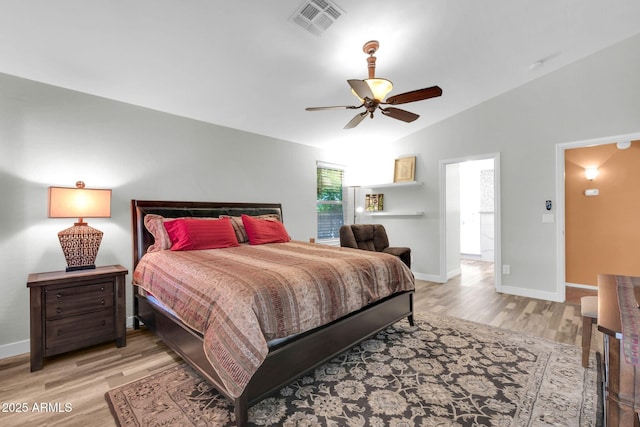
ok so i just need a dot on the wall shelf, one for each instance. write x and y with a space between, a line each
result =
393 213
394 185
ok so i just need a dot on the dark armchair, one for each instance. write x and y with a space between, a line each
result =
371 237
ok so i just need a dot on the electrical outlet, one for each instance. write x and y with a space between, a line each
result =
506 269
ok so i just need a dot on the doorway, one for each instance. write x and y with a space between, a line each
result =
477 210
561 279
470 213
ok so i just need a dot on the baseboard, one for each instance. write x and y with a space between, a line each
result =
14 349
429 277
454 273
578 285
511 290
531 293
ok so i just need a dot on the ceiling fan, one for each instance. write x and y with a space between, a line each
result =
372 91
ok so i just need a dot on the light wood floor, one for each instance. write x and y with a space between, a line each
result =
82 378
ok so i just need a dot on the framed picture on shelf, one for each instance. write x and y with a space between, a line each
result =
373 202
405 169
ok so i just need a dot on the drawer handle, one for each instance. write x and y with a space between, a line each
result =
58 310
59 295
102 302
102 288
104 322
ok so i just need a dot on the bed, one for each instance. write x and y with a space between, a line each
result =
286 358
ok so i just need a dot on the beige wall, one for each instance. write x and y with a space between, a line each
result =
602 232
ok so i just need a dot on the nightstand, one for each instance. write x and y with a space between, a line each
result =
76 309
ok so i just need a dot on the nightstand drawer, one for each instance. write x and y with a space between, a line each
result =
78 331
72 300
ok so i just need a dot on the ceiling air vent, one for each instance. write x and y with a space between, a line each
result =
316 16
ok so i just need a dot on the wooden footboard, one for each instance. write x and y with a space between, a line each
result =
287 361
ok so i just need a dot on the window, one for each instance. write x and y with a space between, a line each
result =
329 201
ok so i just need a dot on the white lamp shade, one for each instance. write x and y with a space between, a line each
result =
67 202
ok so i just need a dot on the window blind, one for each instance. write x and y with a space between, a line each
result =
330 181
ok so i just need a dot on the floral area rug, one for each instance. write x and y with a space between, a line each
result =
441 372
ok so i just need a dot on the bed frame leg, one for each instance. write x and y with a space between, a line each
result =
241 409
136 320
410 317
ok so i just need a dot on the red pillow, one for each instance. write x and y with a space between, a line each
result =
261 231
191 234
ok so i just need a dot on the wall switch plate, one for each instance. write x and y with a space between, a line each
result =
506 269
591 192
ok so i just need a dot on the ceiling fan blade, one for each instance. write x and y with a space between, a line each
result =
397 113
337 107
361 88
415 95
356 120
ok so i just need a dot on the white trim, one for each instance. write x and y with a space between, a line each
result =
561 283
442 171
560 243
497 224
428 277
14 349
531 293
454 273
391 213
578 285
393 184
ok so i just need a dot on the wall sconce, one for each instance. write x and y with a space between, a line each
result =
591 173
80 243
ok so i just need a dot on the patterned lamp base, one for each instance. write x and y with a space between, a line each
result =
80 245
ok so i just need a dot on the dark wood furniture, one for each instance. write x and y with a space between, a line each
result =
72 310
621 382
285 362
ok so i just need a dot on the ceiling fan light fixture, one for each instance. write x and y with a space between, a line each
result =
379 87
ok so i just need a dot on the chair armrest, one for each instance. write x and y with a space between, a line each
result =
403 253
397 251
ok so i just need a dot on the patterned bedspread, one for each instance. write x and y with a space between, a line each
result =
239 298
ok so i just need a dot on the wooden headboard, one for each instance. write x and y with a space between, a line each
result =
142 239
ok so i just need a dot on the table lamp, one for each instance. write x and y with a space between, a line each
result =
80 243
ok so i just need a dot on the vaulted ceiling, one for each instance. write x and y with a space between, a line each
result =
248 65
